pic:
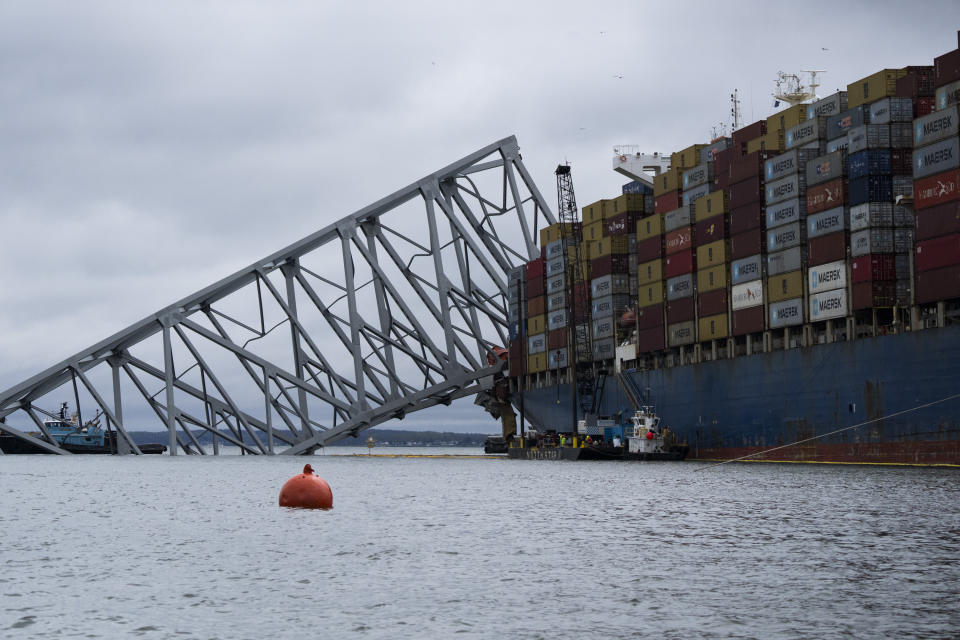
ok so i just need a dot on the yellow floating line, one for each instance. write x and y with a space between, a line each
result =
458 456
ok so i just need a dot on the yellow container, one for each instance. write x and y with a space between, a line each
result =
537 363
756 144
649 272
712 327
610 244
687 158
711 255
595 212
712 278
632 202
555 232
667 181
786 119
649 294
785 286
594 231
708 206
773 141
651 226
874 87
536 324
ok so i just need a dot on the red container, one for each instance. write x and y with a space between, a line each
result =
557 339
746 192
939 284
649 249
621 224
745 218
745 134
721 169
649 340
517 367
746 244
712 303
650 316
536 306
536 288
937 253
679 263
612 263
915 84
710 230
941 220
827 248
748 166
535 268
923 107
934 190
667 202
874 267
752 320
901 162
679 239
826 196
681 310
946 68
516 348
873 294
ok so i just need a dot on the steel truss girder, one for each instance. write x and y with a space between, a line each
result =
407 322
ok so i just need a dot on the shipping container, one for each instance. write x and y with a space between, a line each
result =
918 83
901 135
924 107
536 324
841 123
825 168
635 187
673 220
649 227
786 237
650 316
667 182
938 284
785 164
784 286
891 109
557 338
606 246
650 271
828 305
826 222
826 196
679 240
745 218
946 68
937 253
711 205
709 152
699 175
901 161
710 230
682 333
903 240
679 263
712 327
612 284
936 158
610 306
747 269
937 126
785 188
866 295
746 192
786 261
557 248
711 303
537 343
870 189
651 294
604 349
786 212
746 321
827 248
874 162
536 307
806 134
902 186
787 118
839 144
595 212
694 194
556 301
594 231
680 287
558 359
535 269
537 363
603 328
620 224
829 106
873 267
686 158
787 313
749 166
868 136
558 231
870 241
747 243
871 215
557 284
947 96
712 254
712 278
650 340
634 203
940 220
938 189
650 249
878 85
746 295
681 310
666 202
826 277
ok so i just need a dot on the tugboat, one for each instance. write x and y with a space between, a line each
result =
73 437
650 441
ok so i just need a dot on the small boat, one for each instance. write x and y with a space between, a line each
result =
66 430
649 441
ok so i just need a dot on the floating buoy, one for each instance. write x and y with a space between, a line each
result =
306 491
649 437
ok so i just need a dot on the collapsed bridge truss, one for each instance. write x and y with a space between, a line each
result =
392 309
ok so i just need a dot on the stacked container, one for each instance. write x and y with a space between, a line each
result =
713 262
651 308
937 188
536 312
516 320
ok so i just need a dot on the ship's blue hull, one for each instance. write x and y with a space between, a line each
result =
728 408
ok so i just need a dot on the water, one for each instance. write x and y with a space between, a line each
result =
192 547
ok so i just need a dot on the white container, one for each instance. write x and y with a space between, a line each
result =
680 287
537 343
746 295
786 313
827 305
827 277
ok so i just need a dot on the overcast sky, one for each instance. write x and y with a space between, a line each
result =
149 149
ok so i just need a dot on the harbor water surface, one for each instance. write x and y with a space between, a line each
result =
196 547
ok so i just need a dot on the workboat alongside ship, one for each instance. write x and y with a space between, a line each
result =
789 293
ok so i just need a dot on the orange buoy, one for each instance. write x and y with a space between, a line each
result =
306 491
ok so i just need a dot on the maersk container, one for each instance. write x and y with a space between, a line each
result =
682 333
871 241
870 189
556 248
557 301
517 274
826 277
785 188
603 328
557 319
614 283
827 167
892 109
828 305
556 266
786 261
871 162
936 158
841 123
557 283
839 144
830 221
610 305
786 212
937 126
785 237
692 195
806 133
604 349
785 164
680 287
948 95
746 269
868 136
746 295
829 106
537 343
871 215
557 359
699 175
786 314
677 218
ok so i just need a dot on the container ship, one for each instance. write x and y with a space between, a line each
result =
768 291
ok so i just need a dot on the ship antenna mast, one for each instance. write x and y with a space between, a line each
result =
735 109
813 84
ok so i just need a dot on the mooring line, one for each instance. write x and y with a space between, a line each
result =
824 435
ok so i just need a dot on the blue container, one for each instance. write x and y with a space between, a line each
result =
871 162
870 189
637 187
